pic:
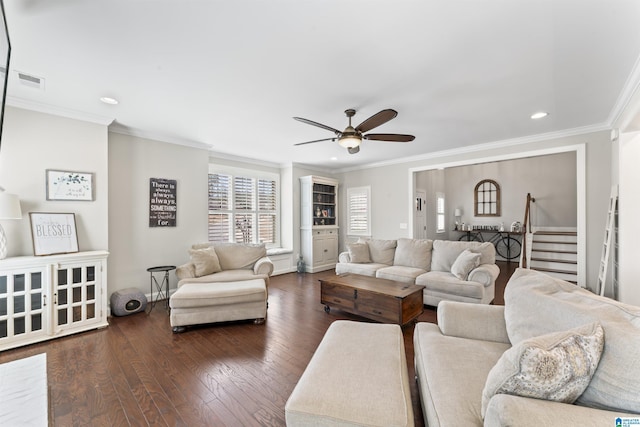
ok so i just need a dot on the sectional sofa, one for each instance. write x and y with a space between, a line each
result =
554 354
449 270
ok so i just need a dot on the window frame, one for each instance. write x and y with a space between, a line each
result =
479 196
255 212
356 191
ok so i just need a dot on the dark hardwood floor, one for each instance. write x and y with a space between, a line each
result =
136 372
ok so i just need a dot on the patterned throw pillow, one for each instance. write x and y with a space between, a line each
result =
359 252
205 261
556 366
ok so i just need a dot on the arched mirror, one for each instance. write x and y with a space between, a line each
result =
486 197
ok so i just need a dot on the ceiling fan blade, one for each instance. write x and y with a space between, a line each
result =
317 140
391 137
320 125
353 150
376 120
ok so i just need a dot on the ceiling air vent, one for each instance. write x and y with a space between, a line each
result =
30 80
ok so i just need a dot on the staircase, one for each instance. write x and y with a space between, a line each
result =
555 253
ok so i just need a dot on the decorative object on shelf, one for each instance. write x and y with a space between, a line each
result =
66 185
516 227
163 202
457 214
325 213
318 211
502 226
53 233
9 209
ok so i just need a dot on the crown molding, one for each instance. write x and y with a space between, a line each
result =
485 147
627 105
13 101
124 130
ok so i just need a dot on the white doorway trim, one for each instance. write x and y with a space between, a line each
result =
581 190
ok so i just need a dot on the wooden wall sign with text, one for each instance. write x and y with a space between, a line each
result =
163 202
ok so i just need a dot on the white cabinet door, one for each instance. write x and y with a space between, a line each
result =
77 294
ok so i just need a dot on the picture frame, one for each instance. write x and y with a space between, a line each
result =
70 185
53 233
325 213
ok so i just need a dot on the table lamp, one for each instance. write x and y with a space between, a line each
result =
9 209
457 213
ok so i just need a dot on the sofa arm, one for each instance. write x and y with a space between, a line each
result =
263 266
186 271
474 321
485 274
344 257
507 410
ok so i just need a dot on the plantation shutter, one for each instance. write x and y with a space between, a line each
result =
358 211
266 211
219 225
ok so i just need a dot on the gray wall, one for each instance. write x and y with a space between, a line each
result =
33 142
135 246
551 179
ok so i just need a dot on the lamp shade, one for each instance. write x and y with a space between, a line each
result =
9 206
457 212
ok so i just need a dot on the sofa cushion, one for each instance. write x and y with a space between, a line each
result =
381 251
446 283
556 366
465 262
414 253
367 269
235 256
205 261
399 273
359 252
537 304
445 253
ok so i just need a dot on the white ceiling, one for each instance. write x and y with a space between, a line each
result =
230 75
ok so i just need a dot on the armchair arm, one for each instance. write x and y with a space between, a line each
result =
474 321
263 266
186 271
344 257
485 274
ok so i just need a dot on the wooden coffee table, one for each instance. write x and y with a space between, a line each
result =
382 300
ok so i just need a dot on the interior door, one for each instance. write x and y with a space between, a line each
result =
420 215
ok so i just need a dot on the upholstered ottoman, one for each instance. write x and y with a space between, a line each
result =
357 376
198 303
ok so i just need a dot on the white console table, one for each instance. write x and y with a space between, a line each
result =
46 297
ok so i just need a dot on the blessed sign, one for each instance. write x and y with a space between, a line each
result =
163 205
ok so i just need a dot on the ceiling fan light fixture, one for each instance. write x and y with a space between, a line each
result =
349 141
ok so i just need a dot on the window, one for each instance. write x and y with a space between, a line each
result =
359 211
440 213
243 208
487 198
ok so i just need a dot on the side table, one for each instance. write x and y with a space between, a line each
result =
162 287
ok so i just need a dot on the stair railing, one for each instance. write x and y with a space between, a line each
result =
527 230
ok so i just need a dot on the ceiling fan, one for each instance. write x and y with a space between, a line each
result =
351 137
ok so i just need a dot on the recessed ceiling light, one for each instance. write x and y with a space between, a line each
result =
539 115
109 100
334 158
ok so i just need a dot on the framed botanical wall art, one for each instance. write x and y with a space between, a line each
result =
68 185
53 233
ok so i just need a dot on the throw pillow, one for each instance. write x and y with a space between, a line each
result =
414 253
359 252
465 262
205 261
381 251
556 366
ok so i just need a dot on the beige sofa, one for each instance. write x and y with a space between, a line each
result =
449 270
225 262
524 364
